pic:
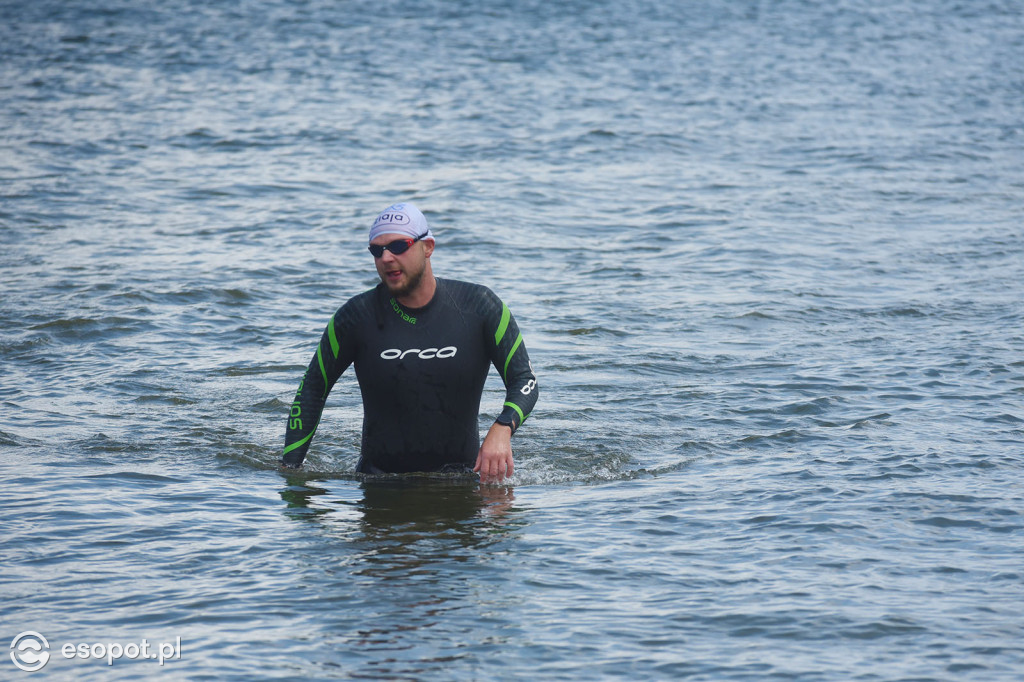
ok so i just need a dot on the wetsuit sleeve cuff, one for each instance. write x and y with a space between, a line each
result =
505 420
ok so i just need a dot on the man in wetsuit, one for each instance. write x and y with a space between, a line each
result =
421 347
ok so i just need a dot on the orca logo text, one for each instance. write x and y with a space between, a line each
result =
425 354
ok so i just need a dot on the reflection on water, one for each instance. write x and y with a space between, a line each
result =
417 558
411 516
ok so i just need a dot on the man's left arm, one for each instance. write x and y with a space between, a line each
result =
509 356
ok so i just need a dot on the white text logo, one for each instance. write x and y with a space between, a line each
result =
425 354
30 651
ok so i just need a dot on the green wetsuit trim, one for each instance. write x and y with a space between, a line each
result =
323 371
506 314
518 411
511 353
335 346
298 443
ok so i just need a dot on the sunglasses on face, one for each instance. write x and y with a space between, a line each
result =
397 247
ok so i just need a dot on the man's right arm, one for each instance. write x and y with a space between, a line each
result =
327 365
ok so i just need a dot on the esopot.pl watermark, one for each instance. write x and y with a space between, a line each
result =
30 651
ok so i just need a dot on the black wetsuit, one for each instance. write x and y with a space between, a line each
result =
421 373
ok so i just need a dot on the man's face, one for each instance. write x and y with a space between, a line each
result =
403 273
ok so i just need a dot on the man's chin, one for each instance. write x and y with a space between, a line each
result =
404 287
397 289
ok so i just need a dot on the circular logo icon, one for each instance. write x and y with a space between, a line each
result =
30 651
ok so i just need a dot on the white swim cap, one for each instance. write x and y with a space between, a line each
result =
401 219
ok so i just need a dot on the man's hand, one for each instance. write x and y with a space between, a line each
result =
494 461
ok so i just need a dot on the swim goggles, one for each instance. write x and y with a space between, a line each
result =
397 247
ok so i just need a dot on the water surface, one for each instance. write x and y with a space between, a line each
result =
767 257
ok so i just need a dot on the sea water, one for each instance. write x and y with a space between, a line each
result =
767 257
